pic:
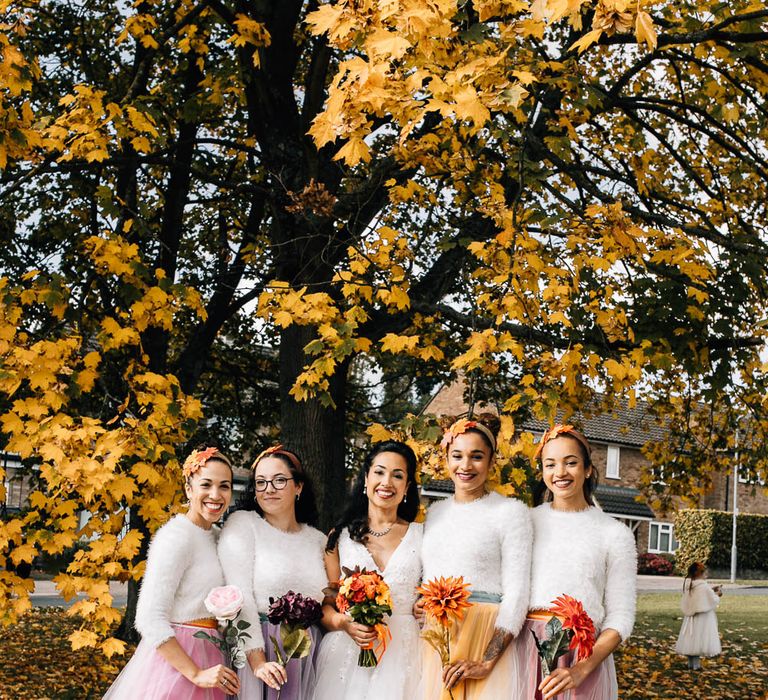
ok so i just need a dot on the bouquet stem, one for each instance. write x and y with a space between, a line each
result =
367 659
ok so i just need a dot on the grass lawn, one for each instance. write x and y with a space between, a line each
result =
648 667
36 661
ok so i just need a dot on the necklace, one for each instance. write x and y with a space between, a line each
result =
380 533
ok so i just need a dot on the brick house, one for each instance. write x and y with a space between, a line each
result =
616 440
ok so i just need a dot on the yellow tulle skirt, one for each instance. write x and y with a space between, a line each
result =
469 639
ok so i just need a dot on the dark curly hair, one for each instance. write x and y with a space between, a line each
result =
355 517
306 507
542 494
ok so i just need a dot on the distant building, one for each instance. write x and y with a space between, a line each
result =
17 482
616 440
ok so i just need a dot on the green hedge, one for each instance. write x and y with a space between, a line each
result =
705 536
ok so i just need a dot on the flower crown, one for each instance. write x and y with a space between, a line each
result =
460 427
560 429
278 450
197 459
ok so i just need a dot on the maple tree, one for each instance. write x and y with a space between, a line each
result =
559 199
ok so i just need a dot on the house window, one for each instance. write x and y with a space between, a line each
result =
661 538
612 462
660 474
746 478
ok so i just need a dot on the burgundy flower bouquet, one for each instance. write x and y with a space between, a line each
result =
294 613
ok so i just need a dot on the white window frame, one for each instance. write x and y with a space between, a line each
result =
751 482
613 462
667 528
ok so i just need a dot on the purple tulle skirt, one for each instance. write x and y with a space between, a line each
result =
599 685
301 672
149 676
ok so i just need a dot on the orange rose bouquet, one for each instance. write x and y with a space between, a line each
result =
444 602
365 597
569 629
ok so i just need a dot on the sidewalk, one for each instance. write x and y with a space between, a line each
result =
660 584
45 594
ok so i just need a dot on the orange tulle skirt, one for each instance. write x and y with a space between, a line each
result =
469 640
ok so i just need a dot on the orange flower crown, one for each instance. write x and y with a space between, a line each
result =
460 427
198 458
278 450
560 429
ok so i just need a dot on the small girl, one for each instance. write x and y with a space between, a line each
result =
698 633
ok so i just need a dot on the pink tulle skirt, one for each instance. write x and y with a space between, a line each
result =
148 676
599 685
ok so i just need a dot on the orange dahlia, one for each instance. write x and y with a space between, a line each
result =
445 599
575 619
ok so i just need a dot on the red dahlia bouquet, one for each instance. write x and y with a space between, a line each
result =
569 629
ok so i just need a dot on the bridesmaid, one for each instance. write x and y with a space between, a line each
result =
485 538
582 552
376 532
267 548
170 663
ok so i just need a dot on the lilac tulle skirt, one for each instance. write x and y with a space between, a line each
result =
150 677
599 685
301 672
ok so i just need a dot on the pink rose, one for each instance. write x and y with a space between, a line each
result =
224 602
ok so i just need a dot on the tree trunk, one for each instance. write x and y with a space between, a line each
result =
315 431
126 631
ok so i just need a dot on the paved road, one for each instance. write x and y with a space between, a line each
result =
45 592
45 595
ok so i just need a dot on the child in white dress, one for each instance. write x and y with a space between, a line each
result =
698 633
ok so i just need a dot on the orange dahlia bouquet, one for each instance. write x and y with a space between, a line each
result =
569 629
365 597
444 602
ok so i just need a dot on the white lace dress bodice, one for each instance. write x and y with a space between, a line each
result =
403 570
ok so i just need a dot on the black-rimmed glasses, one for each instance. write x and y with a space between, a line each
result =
278 483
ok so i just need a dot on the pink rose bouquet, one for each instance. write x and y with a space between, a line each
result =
225 603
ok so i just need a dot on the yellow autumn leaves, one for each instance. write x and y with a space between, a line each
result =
88 464
410 66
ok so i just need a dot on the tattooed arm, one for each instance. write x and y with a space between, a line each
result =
462 669
499 642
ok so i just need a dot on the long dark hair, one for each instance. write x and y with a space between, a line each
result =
694 571
355 517
306 507
542 494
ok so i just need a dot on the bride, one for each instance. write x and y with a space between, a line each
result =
376 532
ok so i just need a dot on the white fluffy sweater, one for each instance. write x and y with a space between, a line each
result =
700 598
182 568
264 561
588 555
488 542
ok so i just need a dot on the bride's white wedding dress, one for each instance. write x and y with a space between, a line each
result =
397 675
